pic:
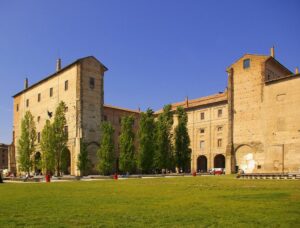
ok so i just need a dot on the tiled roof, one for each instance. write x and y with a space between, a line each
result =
201 101
56 73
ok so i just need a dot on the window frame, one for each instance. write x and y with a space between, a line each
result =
92 83
246 63
66 85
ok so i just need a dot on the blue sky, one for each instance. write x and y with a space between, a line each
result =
157 51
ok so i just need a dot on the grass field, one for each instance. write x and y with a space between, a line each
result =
169 202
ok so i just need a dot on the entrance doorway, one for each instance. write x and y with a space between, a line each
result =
202 164
219 161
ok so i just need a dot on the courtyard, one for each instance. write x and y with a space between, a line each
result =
153 202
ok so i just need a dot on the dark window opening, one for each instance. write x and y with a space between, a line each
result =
92 83
220 112
67 132
27 103
39 97
51 92
202 115
246 63
66 85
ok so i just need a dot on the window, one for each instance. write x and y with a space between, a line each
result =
246 63
202 130
66 109
38 119
202 144
17 107
220 112
38 137
92 83
105 118
219 128
27 103
39 97
67 132
258 166
66 85
202 116
51 92
219 142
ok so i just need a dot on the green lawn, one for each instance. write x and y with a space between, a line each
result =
169 202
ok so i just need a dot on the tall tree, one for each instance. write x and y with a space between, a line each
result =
146 141
182 141
106 152
26 143
83 163
60 135
47 147
163 157
127 151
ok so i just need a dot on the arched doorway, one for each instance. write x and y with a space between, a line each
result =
66 161
219 161
202 164
37 163
244 159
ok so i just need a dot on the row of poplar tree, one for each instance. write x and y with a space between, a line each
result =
53 144
160 147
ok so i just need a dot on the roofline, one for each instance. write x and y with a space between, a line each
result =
120 108
56 73
200 99
269 58
288 77
272 58
230 66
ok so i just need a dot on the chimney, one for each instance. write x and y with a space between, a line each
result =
273 52
296 70
58 64
187 101
26 83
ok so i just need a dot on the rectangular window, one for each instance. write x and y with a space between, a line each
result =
38 119
17 107
202 144
92 83
39 97
27 103
66 85
220 112
67 131
219 128
246 63
219 142
38 137
202 130
202 116
51 92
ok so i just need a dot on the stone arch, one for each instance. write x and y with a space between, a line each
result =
244 158
202 164
219 161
